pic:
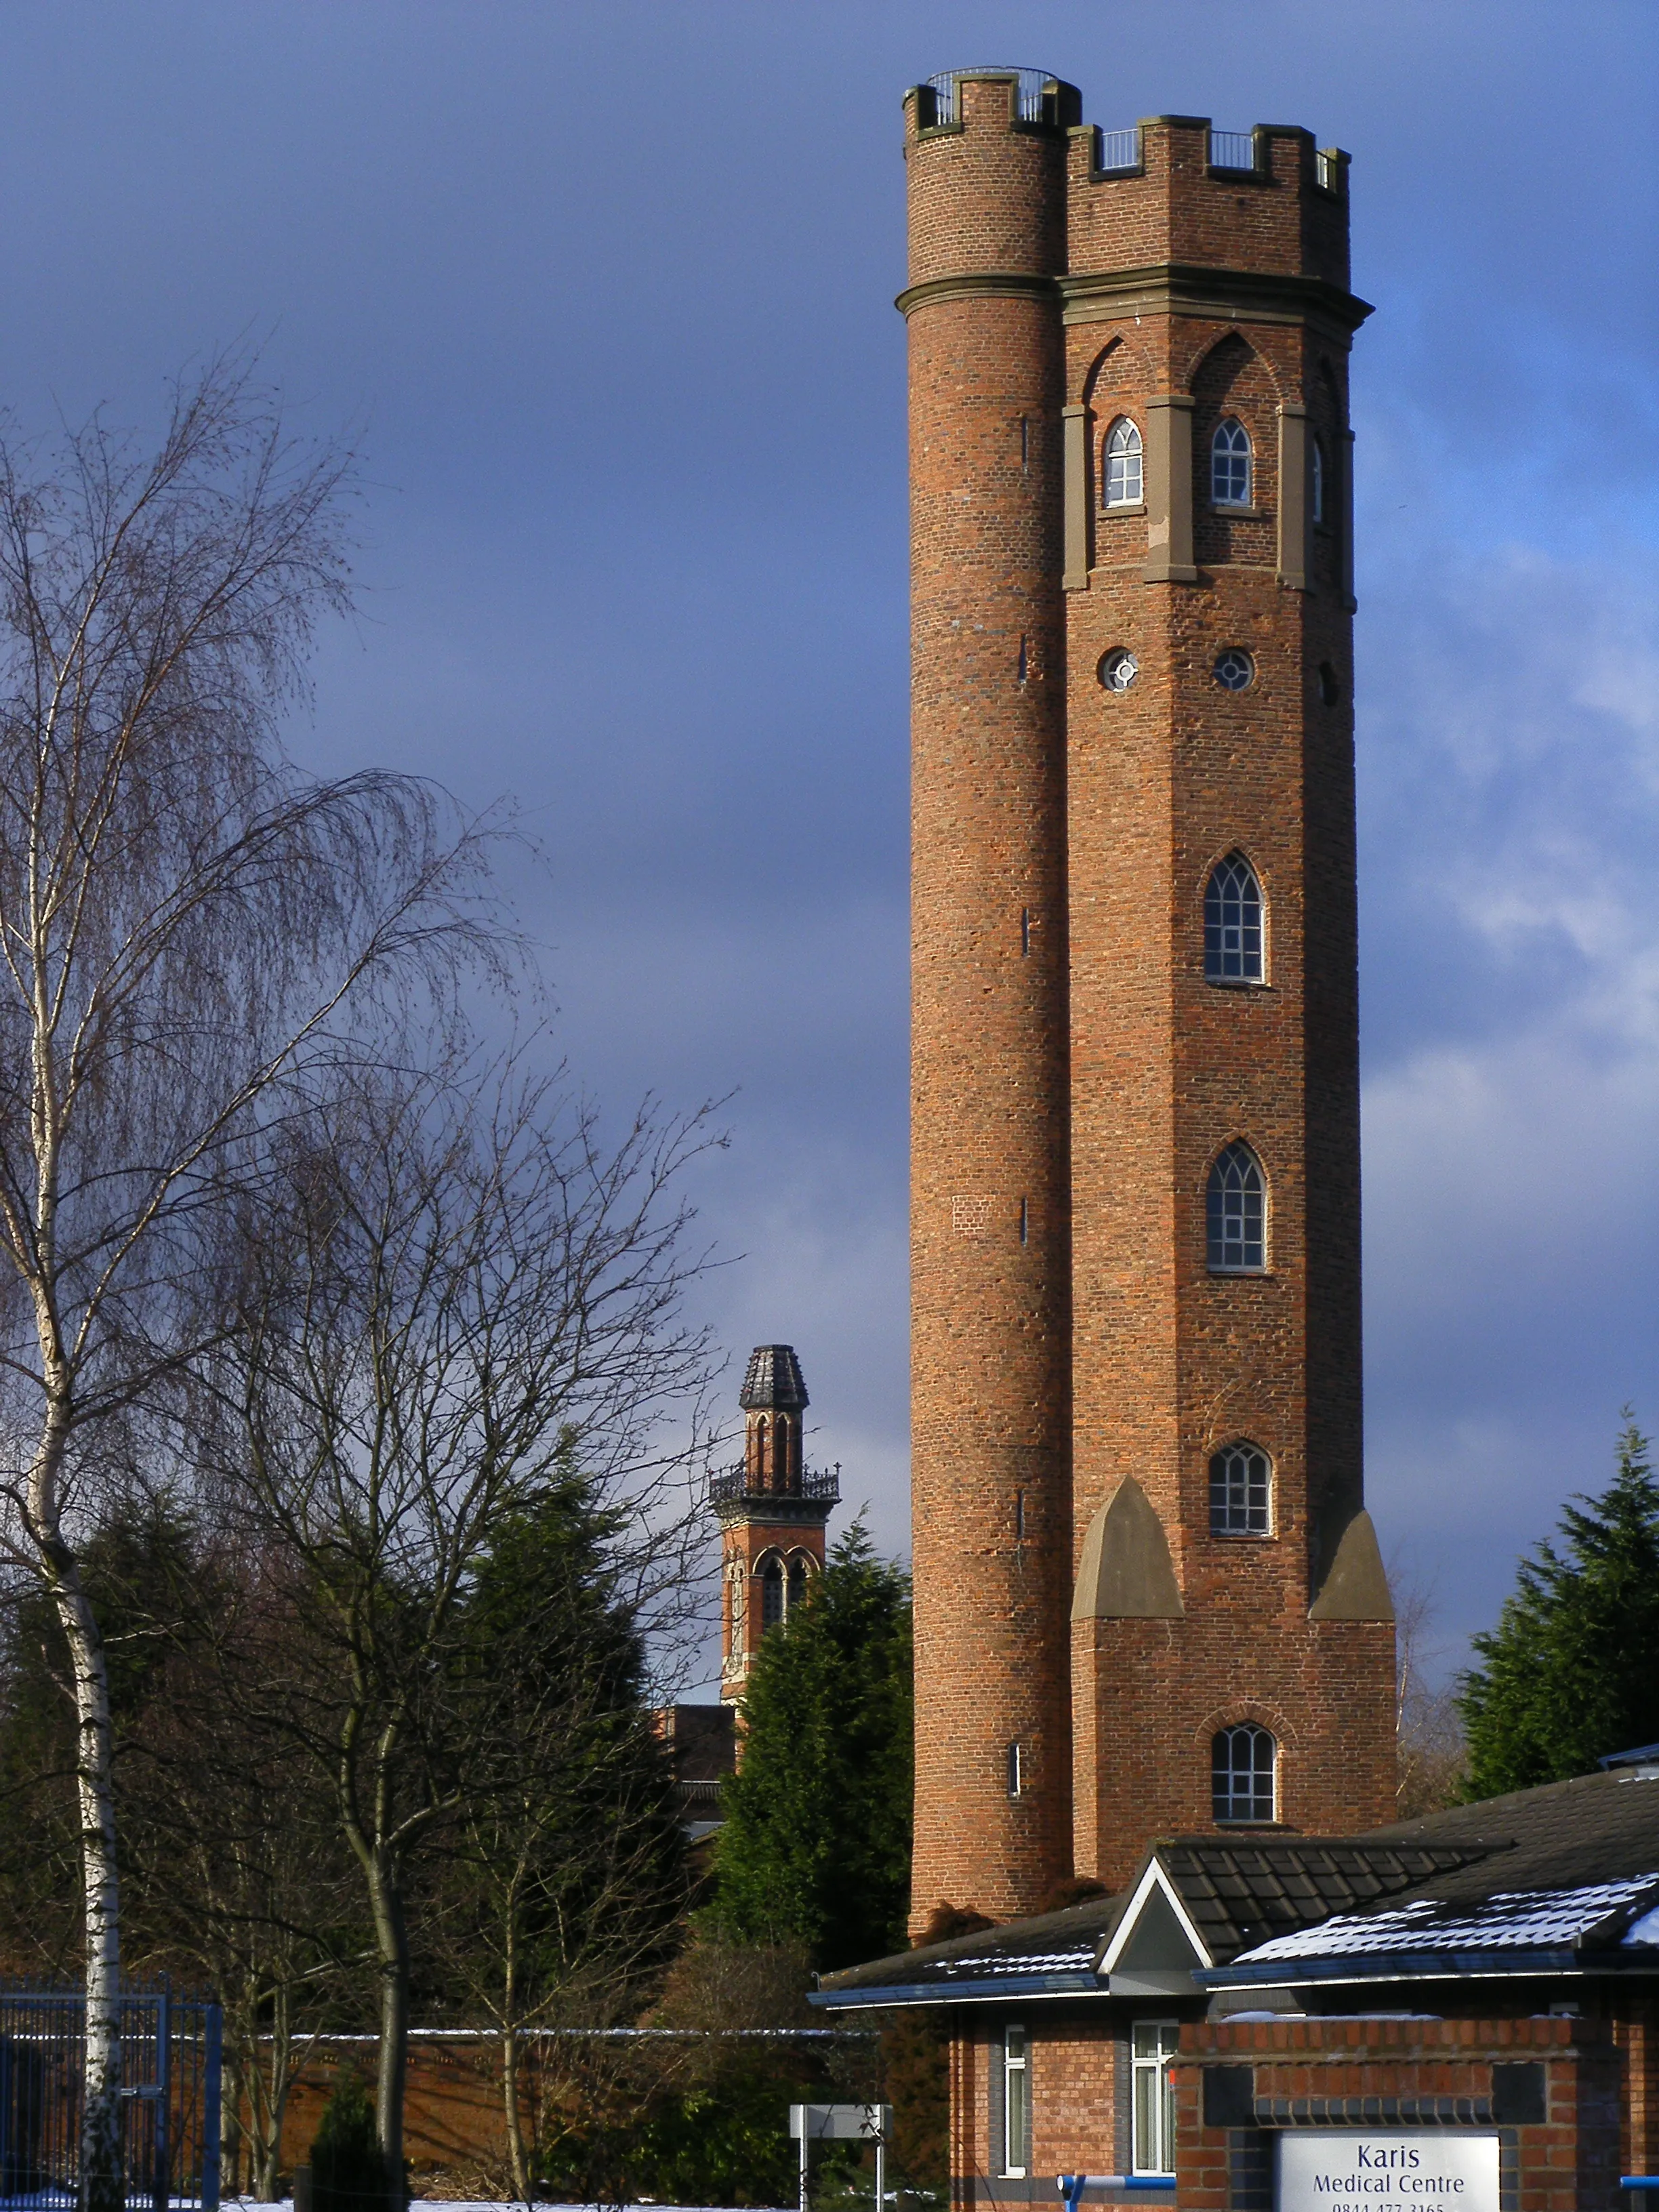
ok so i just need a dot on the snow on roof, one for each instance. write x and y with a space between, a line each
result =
1514 1920
989 1965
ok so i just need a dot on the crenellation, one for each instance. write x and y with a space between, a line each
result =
1096 1079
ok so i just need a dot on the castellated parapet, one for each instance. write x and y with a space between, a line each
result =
1139 1540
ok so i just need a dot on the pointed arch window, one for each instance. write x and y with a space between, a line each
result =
1241 1491
772 1598
1230 464
1243 1773
1236 1214
1232 923
797 1575
1121 479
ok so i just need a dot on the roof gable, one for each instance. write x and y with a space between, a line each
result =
1155 1947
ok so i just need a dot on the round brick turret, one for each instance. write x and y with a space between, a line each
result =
991 1261
1141 1551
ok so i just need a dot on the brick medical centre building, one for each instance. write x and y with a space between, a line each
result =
1154 1644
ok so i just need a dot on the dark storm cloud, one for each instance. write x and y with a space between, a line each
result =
610 286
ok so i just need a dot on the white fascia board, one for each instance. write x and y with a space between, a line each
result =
1153 1879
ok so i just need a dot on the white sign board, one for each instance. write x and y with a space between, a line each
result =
1343 2170
854 2122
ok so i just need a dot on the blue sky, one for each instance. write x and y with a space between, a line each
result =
608 288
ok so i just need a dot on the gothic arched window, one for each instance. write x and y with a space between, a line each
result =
797 1576
1243 1769
772 1594
1122 478
1232 923
1236 1214
1230 464
1241 1491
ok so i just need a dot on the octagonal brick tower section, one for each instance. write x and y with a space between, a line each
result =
1208 281
990 1254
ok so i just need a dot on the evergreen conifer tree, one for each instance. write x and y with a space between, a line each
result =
816 1844
1568 1675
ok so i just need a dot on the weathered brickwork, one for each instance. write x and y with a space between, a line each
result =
1074 1074
989 1195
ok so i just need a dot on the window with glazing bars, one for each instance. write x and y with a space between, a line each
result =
1230 464
1123 486
1151 2108
1016 2101
1241 1764
1241 1491
1232 923
1236 1207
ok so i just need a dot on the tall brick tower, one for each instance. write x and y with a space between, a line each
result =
772 1509
1148 1598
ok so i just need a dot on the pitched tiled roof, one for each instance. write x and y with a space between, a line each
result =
1520 1871
1589 1919
1237 1894
1599 1827
1058 1949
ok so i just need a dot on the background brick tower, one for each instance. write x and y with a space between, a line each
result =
1147 1596
772 1509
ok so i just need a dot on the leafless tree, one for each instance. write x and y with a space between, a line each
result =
187 927
459 1295
558 1905
1431 1754
236 1869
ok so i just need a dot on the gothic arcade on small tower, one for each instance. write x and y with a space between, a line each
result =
772 1509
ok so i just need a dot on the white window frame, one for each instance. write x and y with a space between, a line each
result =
1218 1190
1158 2156
1235 923
1015 2100
1258 1734
1123 446
1226 457
1232 1501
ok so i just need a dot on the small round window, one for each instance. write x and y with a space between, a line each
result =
1118 670
1234 669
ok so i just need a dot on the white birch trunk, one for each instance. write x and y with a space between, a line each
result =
101 2186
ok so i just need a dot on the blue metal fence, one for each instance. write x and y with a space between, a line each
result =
171 2049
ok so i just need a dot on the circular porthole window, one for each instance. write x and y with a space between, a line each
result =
1234 669
1118 670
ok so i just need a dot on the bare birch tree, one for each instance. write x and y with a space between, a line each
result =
185 925
461 1294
